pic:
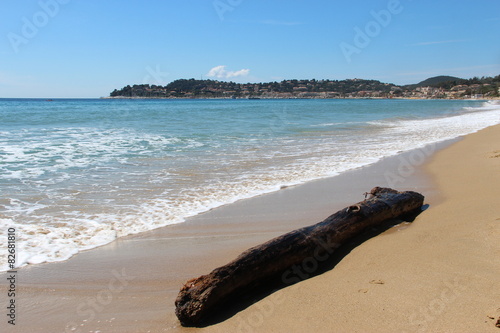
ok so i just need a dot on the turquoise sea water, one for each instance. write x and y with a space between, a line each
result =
76 174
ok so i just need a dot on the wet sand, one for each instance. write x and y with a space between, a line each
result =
439 274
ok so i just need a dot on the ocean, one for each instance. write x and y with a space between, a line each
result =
77 174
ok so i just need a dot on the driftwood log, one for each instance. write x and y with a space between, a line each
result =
303 248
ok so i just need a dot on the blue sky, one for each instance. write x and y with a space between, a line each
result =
87 48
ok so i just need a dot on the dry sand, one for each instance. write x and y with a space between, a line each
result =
439 274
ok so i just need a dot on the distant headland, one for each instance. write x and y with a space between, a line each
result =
439 87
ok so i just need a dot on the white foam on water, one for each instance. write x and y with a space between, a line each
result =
55 150
49 238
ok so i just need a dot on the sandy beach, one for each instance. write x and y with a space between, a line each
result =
439 274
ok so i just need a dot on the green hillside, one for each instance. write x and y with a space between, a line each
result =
436 80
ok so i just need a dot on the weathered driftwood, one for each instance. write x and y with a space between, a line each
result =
302 248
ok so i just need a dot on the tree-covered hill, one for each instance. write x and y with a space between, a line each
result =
219 89
435 87
433 81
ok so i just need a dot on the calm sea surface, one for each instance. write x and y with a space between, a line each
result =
76 174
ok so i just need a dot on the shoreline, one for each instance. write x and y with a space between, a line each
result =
439 274
146 270
293 98
391 178
121 225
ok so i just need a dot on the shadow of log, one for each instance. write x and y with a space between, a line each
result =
239 302
293 256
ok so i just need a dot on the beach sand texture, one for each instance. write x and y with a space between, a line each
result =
438 274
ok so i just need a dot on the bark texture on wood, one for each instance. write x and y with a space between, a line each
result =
202 295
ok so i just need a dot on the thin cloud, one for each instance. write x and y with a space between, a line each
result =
284 23
449 70
269 22
220 72
439 27
439 42
8 79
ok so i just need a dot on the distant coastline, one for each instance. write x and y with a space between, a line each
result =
440 87
293 98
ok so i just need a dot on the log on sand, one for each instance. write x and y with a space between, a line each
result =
199 297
